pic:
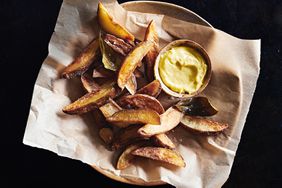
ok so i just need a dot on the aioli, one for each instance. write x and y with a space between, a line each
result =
182 69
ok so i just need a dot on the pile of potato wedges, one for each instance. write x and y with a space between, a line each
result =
130 116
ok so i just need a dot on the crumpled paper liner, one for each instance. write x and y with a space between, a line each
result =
209 159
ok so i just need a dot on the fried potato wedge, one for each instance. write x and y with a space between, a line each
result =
106 134
163 140
107 23
131 62
102 72
142 101
161 154
89 84
123 118
170 119
83 61
110 108
99 119
91 100
125 159
126 136
118 45
151 35
202 125
153 89
131 85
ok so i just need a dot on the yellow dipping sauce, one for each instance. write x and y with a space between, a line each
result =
182 69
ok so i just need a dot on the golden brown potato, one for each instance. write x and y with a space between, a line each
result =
161 154
153 89
91 100
202 125
151 35
123 118
126 136
163 140
107 23
131 85
83 61
99 119
131 61
106 134
89 84
170 119
110 108
125 159
141 101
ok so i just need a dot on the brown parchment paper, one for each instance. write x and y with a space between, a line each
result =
209 159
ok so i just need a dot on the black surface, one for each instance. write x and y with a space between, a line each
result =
26 28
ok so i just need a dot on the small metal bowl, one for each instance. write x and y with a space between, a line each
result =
198 48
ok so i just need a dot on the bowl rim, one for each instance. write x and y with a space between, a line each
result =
201 50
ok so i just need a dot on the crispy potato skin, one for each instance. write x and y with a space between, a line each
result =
83 61
107 23
169 120
161 154
102 72
202 125
126 157
118 45
131 62
126 136
123 118
163 140
89 84
152 89
91 101
106 134
99 119
142 101
151 35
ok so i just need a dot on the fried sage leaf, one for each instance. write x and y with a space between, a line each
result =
151 35
83 61
107 23
170 119
131 62
141 101
91 100
109 57
161 154
126 158
163 140
123 118
197 106
153 89
202 125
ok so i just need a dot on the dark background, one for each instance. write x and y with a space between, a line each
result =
26 27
